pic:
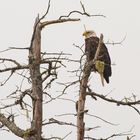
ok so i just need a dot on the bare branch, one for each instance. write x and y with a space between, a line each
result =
80 47
81 13
47 11
7 106
45 23
57 138
116 43
128 103
68 85
113 100
52 53
135 109
117 135
14 48
67 135
21 67
11 126
3 83
127 133
19 100
113 135
52 121
52 138
101 119
9 60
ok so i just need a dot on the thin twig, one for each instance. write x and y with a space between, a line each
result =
81 13
116 43
14 48
47 11
101 119
3 83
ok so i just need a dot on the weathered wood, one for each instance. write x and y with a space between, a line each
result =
81 103
34 66
11 125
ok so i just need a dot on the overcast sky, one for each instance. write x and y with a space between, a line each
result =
122 20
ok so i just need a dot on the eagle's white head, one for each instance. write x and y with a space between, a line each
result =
89 33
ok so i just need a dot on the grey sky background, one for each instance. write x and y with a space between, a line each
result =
122 19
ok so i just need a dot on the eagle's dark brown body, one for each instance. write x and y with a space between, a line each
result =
91 45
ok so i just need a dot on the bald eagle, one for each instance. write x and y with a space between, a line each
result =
91 44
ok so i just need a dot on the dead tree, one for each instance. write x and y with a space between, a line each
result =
34 63
36 78
36 92
34 66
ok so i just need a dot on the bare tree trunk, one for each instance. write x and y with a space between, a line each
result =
34 66
82 96
81 103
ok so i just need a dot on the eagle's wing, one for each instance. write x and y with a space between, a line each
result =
91 45
104 56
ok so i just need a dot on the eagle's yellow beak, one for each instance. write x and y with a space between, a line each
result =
85 33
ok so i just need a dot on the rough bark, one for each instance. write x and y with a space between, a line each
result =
11 125
81 103
34 66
